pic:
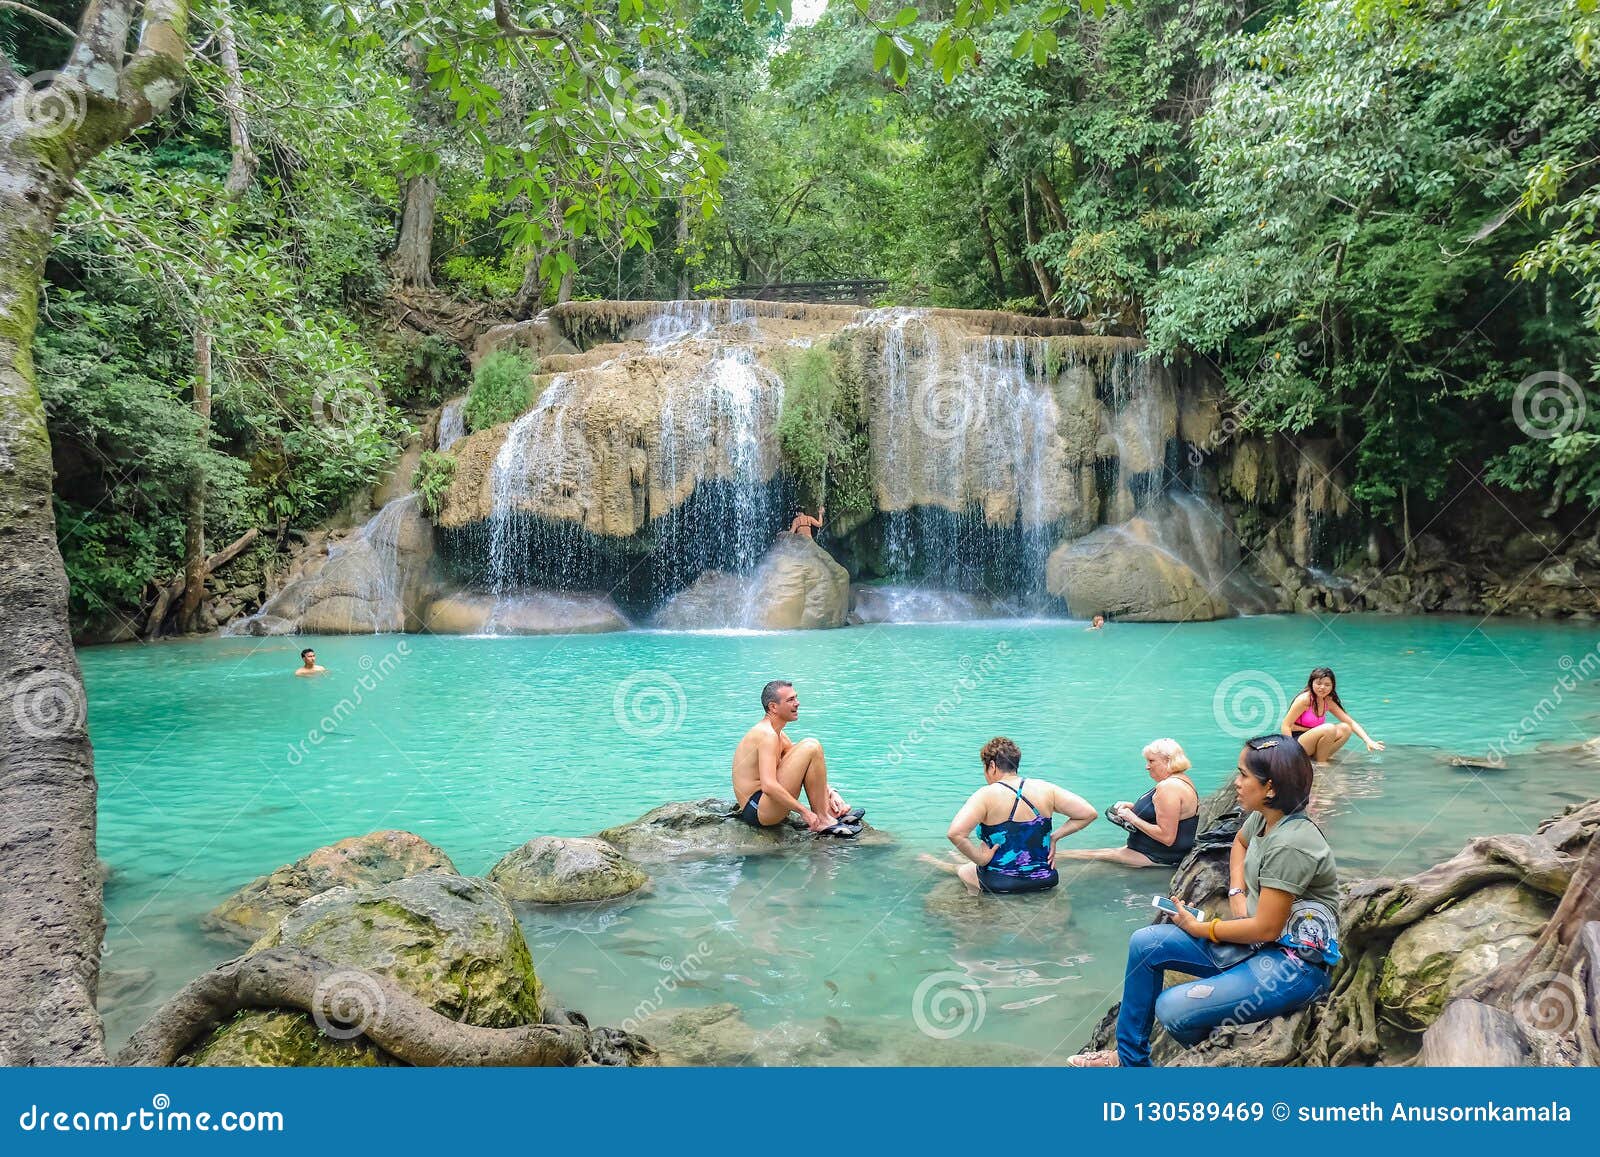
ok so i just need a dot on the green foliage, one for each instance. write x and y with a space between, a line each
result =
423 370
822 430
502 389
435 472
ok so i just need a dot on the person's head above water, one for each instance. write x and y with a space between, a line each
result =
1000 758
1098 621
1164 757
1275 774
1322 686
778 699
308 657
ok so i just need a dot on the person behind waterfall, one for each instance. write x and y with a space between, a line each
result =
804 523
1307 719
1277 951
769 771
1161 823
1015 850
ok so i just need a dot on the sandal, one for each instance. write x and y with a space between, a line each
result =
842 830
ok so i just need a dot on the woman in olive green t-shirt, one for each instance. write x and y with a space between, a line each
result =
1279 857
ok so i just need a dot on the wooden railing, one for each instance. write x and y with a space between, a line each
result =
860 290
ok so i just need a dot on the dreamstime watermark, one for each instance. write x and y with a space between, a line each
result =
343 400
159 1117
947 1005
649 704
648 102
347 1003
375 671
1249 703
49 704
1549 404
974 673
1548 1002
945 409
1229 426
1575 672
48 104
677 973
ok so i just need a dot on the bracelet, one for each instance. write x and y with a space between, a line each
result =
1211 929
1232 892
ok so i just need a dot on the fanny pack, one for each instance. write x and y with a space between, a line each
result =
1312 933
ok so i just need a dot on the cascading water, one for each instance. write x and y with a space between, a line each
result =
452 423
544 458
685 319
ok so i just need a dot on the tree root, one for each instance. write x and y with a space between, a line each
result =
353 1003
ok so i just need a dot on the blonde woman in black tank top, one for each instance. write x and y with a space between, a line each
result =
1161 824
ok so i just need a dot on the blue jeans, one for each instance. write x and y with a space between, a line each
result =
1267 984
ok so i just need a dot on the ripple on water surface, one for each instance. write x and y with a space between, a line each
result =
217 765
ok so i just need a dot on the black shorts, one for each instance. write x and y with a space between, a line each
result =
751 814
1000 884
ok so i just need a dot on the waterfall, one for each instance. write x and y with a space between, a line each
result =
685 319
544 459
452 423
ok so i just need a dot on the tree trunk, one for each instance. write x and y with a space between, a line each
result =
51 919
51 913
413 255
1047 285
683 249
991 251
526 302
194 531
564 290
242 170
1052 203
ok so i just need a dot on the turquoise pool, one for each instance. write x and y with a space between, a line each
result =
210 775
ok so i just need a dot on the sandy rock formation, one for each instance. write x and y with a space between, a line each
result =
526 613
797 586
1123 572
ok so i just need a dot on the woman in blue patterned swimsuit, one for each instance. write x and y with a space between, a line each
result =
1011 854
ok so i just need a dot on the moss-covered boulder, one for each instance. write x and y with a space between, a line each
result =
1443 952
451 941
376 858
703 829
551 870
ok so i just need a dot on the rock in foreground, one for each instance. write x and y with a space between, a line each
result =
376 858
705 828
551 870
451 941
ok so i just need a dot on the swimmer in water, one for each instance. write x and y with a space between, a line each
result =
308 664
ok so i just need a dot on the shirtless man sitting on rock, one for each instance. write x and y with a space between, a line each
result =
769 771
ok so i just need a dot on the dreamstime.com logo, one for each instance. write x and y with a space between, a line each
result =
1249 703
48 705
649 704
160 1117
1549 404
48 104
947 1005
945 410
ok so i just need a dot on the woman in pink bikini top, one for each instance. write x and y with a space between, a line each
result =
1308 719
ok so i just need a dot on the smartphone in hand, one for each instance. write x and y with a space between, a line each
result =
1171 909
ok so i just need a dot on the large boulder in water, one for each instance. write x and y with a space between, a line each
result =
530 613
1121 572
552 870
451 941
377 578
797 586
377 858
705 828
1444 952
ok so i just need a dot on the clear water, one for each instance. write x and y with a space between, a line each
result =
208 780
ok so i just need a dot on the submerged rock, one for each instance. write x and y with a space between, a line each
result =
451 941
530 613
705 828
797 586
376 858
552 870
